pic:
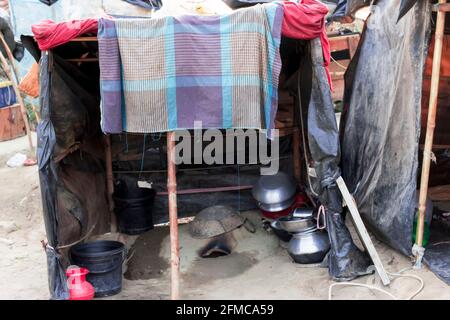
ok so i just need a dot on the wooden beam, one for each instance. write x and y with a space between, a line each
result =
362 231
173 218
82 60
296 157
110 181
81 39
431 124
207 190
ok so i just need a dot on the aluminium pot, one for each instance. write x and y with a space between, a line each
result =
274 192
309 246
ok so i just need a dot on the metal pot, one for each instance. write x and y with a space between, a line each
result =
279 232
309 246
275 192
294 224
303 212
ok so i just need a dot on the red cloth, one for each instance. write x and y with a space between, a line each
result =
50 34
306 20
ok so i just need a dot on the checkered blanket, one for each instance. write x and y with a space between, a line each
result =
164 74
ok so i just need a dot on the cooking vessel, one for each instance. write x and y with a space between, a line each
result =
294 224
279 232
303 212
309 247
275 192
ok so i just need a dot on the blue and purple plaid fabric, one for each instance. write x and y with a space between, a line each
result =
163 74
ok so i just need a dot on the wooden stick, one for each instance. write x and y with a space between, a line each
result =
83 60
362 231
110 182
296 154
431 124
23 111
81 39
10 56
173 217
208 190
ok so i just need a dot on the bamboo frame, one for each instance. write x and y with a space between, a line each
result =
110 181
431 124
173 218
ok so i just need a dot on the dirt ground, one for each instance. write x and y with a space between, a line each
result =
258 269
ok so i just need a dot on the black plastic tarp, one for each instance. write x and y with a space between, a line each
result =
381 120
48 180
348 8
345 260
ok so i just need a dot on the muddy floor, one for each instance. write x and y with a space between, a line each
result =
258 269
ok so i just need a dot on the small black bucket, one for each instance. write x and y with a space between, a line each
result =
104 261
133 208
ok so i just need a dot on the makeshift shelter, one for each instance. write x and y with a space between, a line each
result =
76 171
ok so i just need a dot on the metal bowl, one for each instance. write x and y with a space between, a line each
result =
275 192
279 232
296 224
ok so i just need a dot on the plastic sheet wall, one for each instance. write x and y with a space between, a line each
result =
380 133
345 261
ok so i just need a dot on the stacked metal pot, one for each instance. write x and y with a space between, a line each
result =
307 243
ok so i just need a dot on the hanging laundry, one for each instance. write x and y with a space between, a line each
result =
165 73
306 20
49 34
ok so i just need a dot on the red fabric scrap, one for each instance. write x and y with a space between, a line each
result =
306 20
49 34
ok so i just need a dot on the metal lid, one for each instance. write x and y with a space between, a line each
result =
271 191
276 207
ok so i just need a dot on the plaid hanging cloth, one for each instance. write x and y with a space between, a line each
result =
166 73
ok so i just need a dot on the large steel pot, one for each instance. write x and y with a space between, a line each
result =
275 192
309 246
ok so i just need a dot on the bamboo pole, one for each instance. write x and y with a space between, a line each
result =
431 123
173 217
110 181
7 69
296 154
10 56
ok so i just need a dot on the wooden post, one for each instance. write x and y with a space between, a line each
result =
431 124
296 153
10 56
362 231
23 111
110 181
173 218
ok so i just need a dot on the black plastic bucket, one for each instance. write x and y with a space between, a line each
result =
133 208
104 261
